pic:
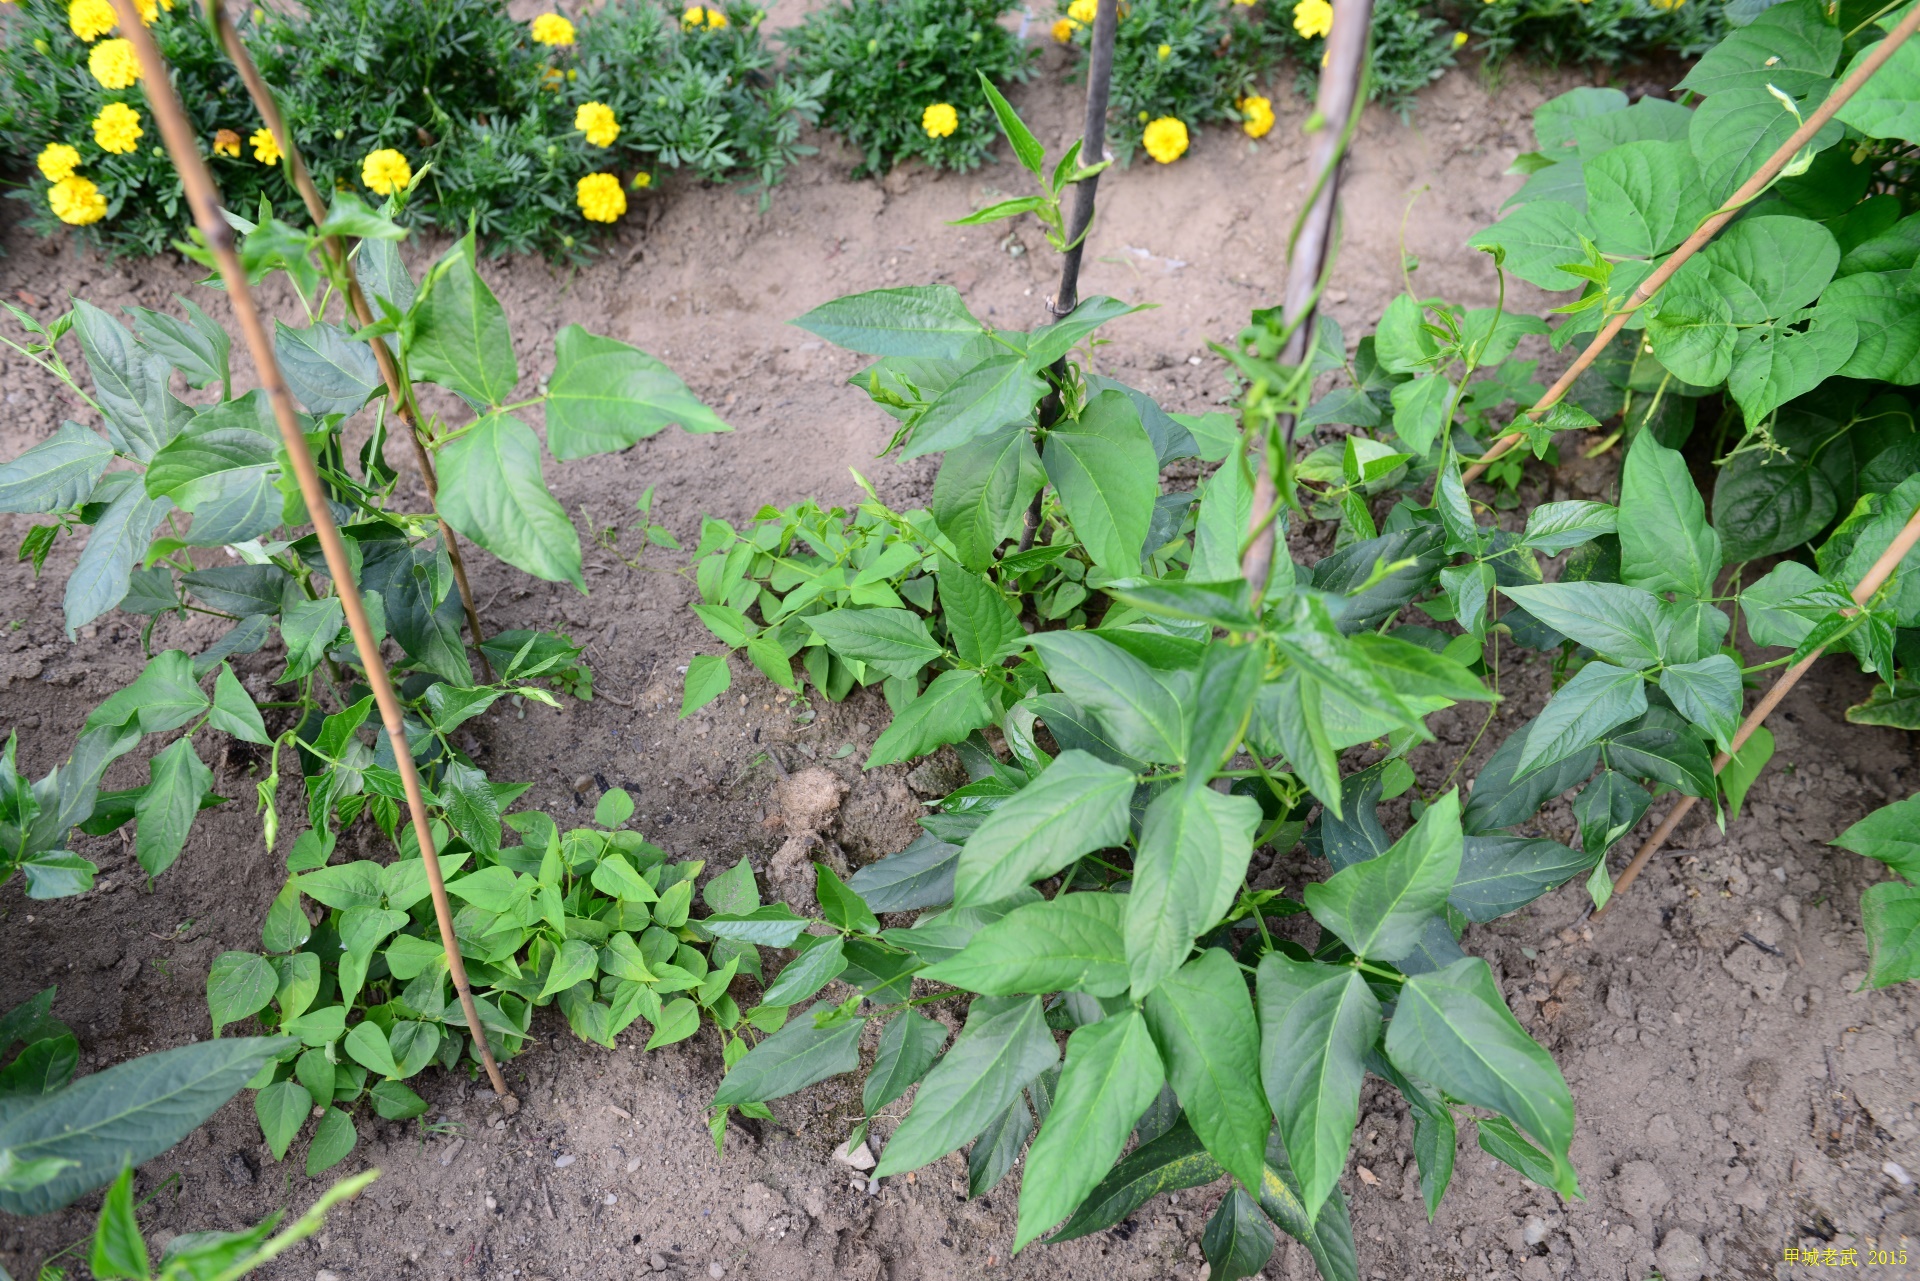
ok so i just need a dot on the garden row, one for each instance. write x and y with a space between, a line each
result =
539 134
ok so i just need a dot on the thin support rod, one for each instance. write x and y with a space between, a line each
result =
269 109
1334 108
204 200
1875 578
1093 147
1749 190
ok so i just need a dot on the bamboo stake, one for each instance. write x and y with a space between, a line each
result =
1093 147
204 200
1336 103
1875 578
397 394
1706 231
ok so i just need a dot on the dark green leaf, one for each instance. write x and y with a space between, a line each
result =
1203 1024
895 641
56 474
1077 805
1379 908
952 707
929 321
796 1056
1238 1239
327 372
1171 1162
1599 697
606 396
919 876
492 491
333 1139
1317 1024
460 335
1104 466
908 1047
1071 943
1194 847
1890 916
1004 1046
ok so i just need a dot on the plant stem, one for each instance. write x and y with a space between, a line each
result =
1093 147
204 200
1337 109
1863 592
269 109
1762 178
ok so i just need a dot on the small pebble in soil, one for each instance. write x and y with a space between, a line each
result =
715 1271
562 1162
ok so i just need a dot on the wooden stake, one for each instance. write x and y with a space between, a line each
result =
204 200
269 109
1706 231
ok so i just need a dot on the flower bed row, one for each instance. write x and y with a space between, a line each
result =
535 133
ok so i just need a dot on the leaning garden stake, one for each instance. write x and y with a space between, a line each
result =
399 394
1093 144
1872 582
1753 187
1335 111
204 200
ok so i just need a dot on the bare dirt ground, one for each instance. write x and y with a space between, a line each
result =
1735 1095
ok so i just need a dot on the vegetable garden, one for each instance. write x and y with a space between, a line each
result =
1145 828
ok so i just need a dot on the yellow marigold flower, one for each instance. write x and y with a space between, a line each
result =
385 171
1667 6
226 143
90 19
1257 116
940 120
1460 37
642 180
1083 11
1165 140
1313 18
114 64
117 128
600 197
1247 3
1164 52
76 201
552 29
698 16
265 149
148 11
595 119
716 18
1063 29
58 161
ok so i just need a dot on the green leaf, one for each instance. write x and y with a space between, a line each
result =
997 1147
1238 1239
708 677
1026 148
576 962
1141 714
1886 330
367 1045
309 628
1775 364
1380 907
118 1248
1612 619
238 984
1553 528
1195 844
282 1109
1890 915
1004 1046
166 695
1734 132
1420 411
165 811
56 474
1502 874
807 973
1104 466
393 1101
895 641
1744 766
104 571
1665 541
472 807
1599 697
1401 341
774 925
1895 705
1067 944
124 1115
1890 835
1317 1024
1537 238
908 1047
1077 805
233 711
679 1019
1052 342
1173 1162
460 337
798 1055
1888 105
1203 1023
197 347
1764 504
843 908
414 1045
1452 1027
1643 198
1691 330
999 390
921 875
327 372
606 396
492 491
1112 1073
952 707
333 1139
983 623
980 496
927 321
1708 693
130 384
1792 46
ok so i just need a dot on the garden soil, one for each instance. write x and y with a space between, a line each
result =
1736 1094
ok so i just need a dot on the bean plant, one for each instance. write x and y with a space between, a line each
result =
1136 720
171 481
